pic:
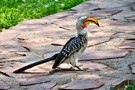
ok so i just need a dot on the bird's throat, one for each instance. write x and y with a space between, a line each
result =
83 26
82 32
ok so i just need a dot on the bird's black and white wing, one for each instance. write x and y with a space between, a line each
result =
71 47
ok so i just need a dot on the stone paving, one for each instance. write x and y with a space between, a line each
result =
109 57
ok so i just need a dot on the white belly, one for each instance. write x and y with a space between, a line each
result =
74 58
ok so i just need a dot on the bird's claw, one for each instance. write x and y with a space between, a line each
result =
81 69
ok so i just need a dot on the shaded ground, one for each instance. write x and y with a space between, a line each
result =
110 55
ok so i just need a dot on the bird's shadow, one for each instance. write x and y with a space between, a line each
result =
51 72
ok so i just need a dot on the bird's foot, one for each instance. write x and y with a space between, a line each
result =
81 69
67 69
59 68
56 70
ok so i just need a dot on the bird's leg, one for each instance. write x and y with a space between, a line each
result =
55 70
59 68
71 68
83 69
78 68
66 69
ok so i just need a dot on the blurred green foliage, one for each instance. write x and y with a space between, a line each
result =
14 11
131 86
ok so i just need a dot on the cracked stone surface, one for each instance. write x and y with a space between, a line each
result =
10 55
133 8
59 15
45 86
109 57
35 41
3 85
102 54
128 44
131 18
106 81
33 81
93 39
11 48
132 68
81 84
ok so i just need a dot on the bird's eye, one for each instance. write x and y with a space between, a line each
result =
82 20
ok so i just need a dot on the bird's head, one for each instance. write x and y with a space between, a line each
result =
83 21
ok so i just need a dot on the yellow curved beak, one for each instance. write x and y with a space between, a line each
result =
89 20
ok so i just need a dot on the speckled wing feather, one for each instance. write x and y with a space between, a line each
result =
72 46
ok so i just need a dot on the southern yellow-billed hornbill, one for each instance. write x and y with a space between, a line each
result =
72 49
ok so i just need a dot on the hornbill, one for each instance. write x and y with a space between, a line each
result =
72 49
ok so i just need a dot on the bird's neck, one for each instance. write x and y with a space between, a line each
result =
82 32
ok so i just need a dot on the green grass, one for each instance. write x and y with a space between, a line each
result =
131 86
14 11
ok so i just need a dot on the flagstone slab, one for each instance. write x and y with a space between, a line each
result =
133 8
132 67
128 44
102 54
91 28
94 29
27 75
96 5
104 4
92 13
10 55
5 56
11 48
32 22
49 54
131 18
125 29
34 81
96 41
59 15
38 88
93 39
61 42
88 6
81 84
47 29
40 35
113 24
130 2
93 67
115 83
98 38
71 21
106 81
118 26
35 41
89 66
105 13
7 35
9 67
29 25
69 27
88 76
66 21
3 86
44 86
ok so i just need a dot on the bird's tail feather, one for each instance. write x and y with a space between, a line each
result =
36 63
